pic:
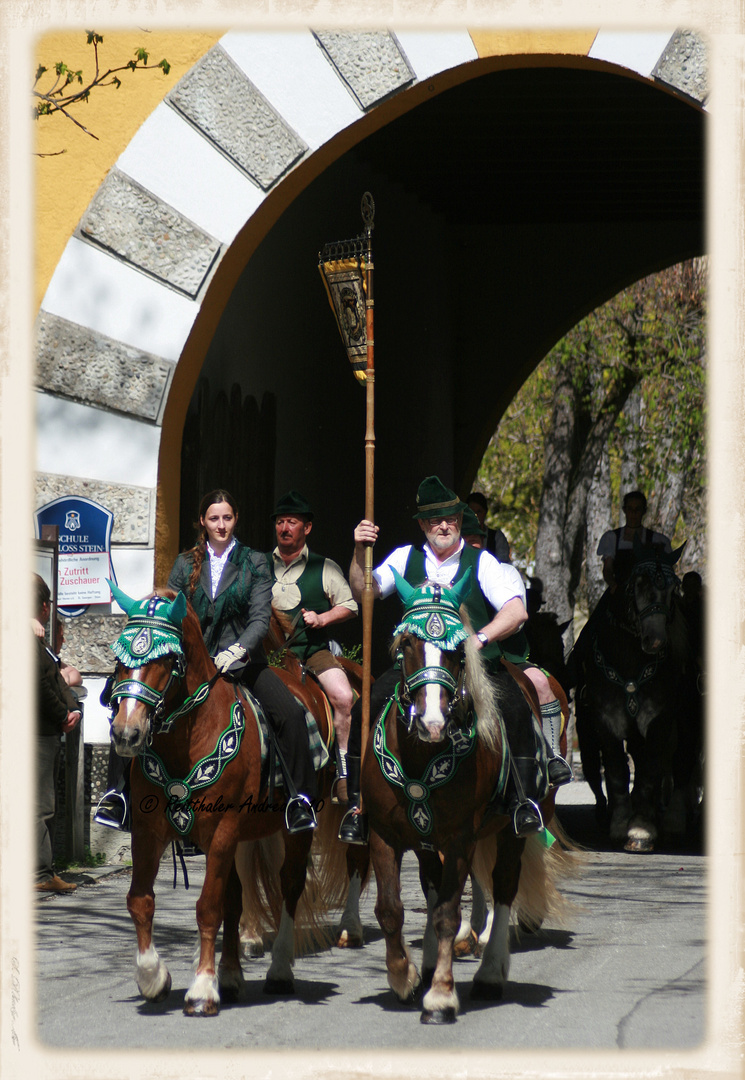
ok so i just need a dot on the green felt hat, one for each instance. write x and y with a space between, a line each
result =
433 499
470 526
293 503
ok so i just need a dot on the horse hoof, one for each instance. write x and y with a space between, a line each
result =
639 845
345 940
438 1016
162 994
484 991
279 986
468 945
201 1008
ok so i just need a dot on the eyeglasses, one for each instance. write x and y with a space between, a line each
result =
453 520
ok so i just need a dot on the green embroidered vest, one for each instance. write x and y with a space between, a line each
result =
480 611
312 597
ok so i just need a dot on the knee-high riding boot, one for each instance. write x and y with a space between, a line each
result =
354 827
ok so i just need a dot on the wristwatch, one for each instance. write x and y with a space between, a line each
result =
482 637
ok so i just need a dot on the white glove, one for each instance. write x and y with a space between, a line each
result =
228 656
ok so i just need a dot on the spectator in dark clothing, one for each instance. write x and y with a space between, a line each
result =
58 712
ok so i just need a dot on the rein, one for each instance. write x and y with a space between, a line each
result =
156 699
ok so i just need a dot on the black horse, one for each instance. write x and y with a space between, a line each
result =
630 697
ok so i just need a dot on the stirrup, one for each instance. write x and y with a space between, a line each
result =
354 828
112 810
526 818
559 771
299 814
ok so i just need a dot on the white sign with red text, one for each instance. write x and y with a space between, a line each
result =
82 579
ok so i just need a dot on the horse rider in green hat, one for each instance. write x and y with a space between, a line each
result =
497 612
311 595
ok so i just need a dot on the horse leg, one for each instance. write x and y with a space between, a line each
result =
430 879
467 938
349 934
279 977
249 931
440 1004
152 975
490 979
651 756
229 973
589 746
617 778
203 996
403 977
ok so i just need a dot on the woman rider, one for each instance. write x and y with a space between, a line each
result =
230 589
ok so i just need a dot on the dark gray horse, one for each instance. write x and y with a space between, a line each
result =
630 696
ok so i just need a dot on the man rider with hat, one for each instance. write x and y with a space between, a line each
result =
313 594
497 612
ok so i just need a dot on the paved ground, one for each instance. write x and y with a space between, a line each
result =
627 972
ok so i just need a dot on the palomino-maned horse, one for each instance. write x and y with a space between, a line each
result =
629 697
433 781
349 933
198 745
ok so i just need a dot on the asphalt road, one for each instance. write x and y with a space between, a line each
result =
627 973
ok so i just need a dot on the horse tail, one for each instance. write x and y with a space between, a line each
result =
543 870
258 863
325 886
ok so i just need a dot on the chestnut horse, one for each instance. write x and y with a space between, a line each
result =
434 781
196 738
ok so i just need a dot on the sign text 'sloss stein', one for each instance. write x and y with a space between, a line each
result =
84 550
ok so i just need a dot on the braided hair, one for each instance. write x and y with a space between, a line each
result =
199 550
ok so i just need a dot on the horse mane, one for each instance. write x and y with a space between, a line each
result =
482 691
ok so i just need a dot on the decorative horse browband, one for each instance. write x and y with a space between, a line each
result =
439 770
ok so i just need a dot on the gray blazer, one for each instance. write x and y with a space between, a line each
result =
242 607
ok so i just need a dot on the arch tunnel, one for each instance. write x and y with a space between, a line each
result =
514 193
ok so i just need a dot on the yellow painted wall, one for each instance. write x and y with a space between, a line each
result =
514 42
75 165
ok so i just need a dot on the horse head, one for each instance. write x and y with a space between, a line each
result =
429 643
150 661
650 596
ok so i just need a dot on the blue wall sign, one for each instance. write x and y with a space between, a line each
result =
84 551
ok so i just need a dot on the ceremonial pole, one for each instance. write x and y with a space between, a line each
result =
368 596
346 267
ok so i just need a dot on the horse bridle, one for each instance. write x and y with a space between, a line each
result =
661 579
155 700
433 673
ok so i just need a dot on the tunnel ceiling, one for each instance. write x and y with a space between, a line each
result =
548 144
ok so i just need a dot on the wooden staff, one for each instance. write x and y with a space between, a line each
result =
368 596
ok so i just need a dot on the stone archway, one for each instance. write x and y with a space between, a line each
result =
140 292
